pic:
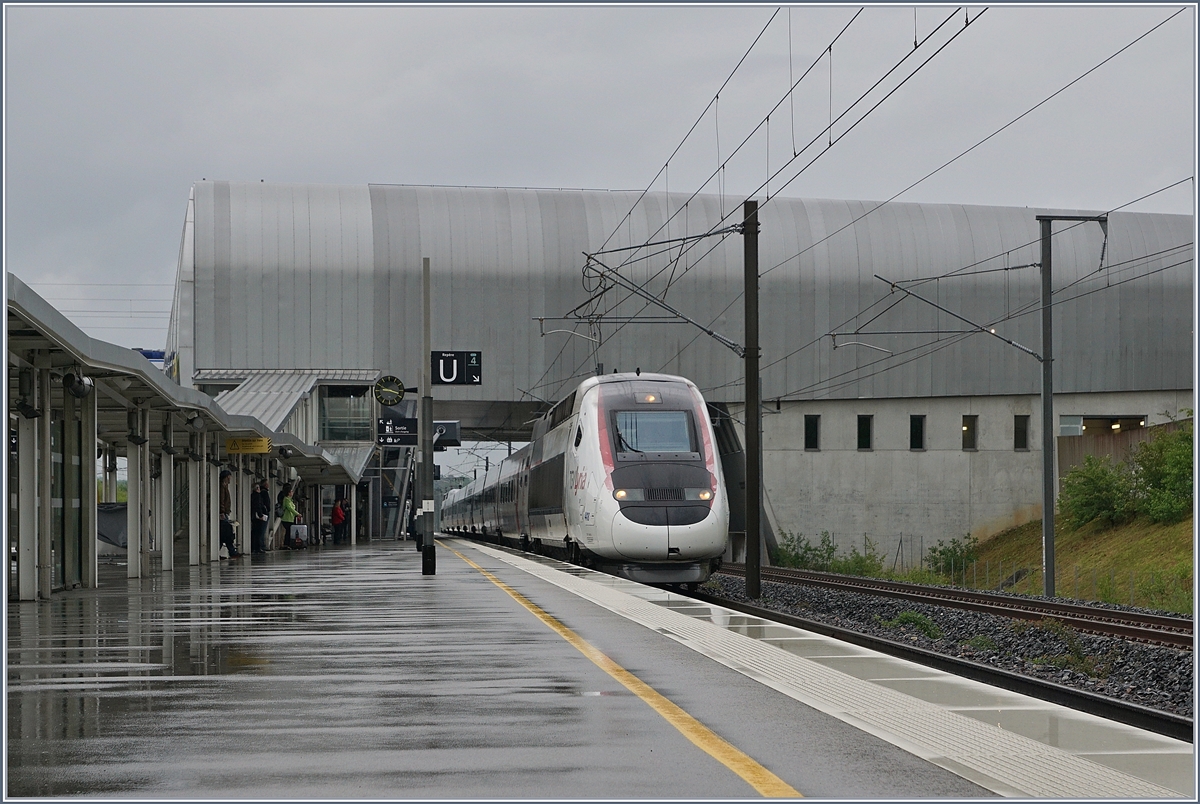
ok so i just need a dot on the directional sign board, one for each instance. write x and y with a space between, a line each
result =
396 432
247 446
457 368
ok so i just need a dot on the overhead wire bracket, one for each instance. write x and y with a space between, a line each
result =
974 327
612 275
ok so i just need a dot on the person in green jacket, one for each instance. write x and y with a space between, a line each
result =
290 517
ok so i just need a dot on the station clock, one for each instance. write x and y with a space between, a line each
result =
389 390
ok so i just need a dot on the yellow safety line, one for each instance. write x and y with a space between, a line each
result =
758 777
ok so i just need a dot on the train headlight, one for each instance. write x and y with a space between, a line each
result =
629 495
698 494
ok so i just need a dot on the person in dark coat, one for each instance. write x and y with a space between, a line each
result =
260 512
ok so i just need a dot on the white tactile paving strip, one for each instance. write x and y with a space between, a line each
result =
1000 760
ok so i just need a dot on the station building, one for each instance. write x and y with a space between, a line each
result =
886 417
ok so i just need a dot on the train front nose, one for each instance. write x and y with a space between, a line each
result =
670 532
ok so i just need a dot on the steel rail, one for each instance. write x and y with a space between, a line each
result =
1154 629
1136 715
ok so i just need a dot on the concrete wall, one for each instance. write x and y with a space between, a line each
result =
942 492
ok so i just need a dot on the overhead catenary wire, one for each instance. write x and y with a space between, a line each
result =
724 216
929 175
717 172
877 83
711 105
995 133
1060 232
1029 307
945 342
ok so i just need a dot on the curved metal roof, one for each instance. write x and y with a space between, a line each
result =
288 276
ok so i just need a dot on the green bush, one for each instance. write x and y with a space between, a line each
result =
1098 490
1161 474
868 563
1154 482
943 558
796 551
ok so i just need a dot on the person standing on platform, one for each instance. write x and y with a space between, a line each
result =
226 525
260 512
290 517
337 519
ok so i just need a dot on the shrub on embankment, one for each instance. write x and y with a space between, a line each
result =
1154 482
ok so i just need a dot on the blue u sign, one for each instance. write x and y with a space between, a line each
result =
456 368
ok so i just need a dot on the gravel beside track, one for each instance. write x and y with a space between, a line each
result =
1152 676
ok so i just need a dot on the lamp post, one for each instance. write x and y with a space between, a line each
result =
428 557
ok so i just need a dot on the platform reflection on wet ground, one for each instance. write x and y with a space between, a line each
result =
333 674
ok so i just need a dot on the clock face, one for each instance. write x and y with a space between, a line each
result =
389 390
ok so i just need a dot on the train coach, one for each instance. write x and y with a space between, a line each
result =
622 475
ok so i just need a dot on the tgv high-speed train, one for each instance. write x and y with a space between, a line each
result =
622 475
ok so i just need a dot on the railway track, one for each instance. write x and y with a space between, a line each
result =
1175 632
1142 717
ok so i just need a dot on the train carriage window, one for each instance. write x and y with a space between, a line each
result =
560 412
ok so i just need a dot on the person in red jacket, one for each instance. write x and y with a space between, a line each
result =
338 520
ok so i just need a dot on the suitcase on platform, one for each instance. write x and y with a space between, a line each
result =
299 535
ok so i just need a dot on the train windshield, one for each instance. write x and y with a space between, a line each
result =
654 431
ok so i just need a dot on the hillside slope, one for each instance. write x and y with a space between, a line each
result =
1148 564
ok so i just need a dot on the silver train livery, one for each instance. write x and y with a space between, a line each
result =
622 475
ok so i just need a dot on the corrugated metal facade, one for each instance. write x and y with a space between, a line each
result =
300 276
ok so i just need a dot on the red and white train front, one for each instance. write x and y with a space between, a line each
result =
623 475
645 486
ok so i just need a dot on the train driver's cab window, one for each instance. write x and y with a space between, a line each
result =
638 432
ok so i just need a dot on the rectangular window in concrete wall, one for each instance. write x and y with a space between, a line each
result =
864 432
970 432
812 431
1020 432
916 432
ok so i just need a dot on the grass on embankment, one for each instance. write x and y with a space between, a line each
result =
1099 563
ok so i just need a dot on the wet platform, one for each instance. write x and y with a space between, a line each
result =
345 673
